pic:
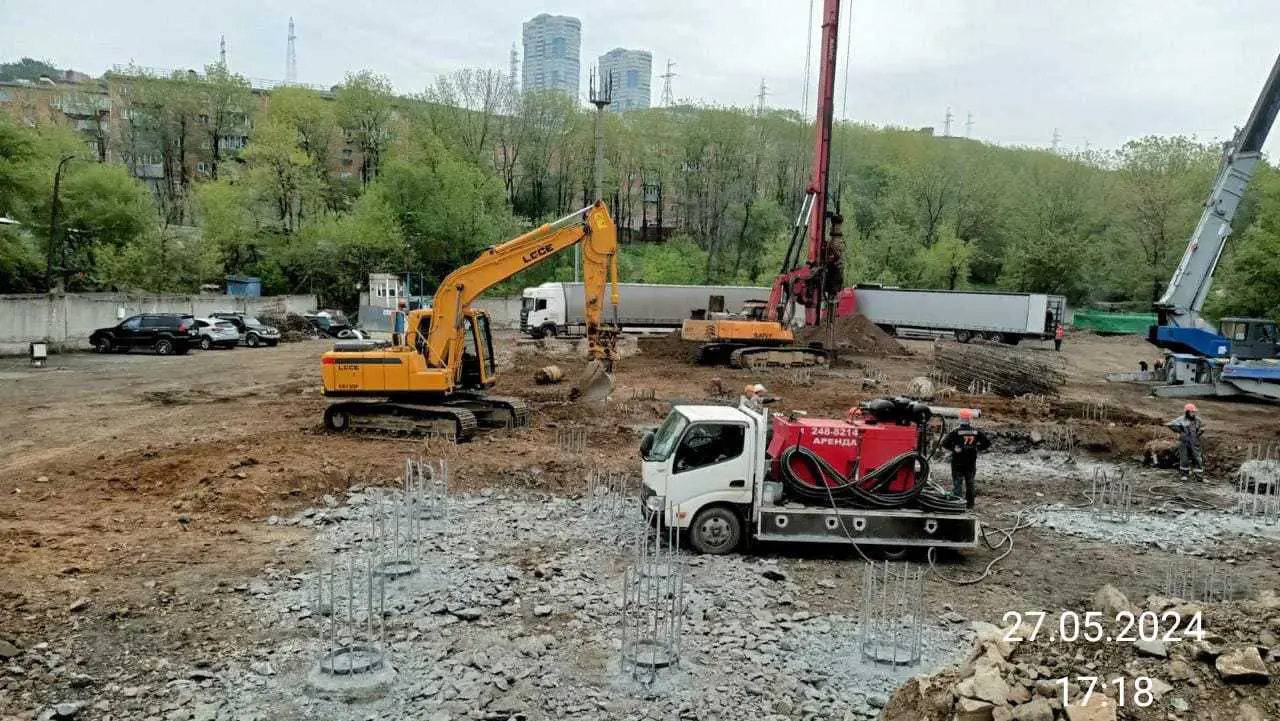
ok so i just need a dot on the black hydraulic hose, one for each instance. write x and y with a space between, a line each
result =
865 493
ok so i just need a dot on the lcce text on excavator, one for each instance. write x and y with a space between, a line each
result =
436 381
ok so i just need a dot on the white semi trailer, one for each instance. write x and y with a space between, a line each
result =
1001 317
557 308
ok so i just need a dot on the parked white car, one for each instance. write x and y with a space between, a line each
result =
217 333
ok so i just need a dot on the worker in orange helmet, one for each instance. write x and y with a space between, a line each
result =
965 443
1189 428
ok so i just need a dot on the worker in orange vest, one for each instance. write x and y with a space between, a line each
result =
1058 334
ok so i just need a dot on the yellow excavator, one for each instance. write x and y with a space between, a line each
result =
435 382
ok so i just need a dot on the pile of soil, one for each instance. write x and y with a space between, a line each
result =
854 334
668 347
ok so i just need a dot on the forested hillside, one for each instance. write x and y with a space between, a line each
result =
332 186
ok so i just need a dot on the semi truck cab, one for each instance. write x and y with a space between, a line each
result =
716 472
542 311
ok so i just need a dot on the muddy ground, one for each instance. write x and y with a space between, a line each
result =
135 491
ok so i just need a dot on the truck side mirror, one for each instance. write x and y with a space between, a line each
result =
646 444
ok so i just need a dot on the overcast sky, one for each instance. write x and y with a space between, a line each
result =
1100 71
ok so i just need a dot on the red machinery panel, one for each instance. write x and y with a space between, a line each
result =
843 445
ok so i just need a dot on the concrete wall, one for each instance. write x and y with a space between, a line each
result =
504 314
67 320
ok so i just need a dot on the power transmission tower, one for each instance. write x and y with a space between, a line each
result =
291 57
946 123
668 99
968 125
600 94
764 93
222 51
1056 139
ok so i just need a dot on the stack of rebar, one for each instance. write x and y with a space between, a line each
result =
998 370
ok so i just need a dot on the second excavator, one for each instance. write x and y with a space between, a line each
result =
436 381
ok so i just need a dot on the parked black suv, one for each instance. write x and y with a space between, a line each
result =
253 332
165 333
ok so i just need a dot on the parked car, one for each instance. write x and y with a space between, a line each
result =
217 333
253 332
334 324
165 333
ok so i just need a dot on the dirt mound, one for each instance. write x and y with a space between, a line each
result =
668 347
854 334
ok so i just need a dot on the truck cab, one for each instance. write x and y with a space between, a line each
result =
709 470
542 310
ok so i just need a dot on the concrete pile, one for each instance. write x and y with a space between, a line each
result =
1225 675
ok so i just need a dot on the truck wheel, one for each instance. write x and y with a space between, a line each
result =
963 336
715 531
549 331
995 337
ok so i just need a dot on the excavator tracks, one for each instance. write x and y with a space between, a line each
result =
779 357
494 411
390 418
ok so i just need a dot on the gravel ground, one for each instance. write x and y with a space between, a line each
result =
516 613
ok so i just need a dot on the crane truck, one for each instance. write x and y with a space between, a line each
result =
767 338
436 381
1240 356
721 473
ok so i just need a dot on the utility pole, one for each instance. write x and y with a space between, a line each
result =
968 125
55 212
946 123
222 51
667 98
600 94
764 93
1056 139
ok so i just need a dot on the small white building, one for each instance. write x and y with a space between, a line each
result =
385 290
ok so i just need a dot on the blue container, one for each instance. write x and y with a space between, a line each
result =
243 285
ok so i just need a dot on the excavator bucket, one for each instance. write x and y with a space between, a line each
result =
595 385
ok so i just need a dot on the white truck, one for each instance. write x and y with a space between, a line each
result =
554 309
719 473
1000 317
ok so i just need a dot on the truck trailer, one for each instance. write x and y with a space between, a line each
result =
999 317
725 473
554 309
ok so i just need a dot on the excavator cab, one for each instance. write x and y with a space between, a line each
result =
478 365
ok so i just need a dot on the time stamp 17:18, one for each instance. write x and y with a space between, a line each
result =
1093 627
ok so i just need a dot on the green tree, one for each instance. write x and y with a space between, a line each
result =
364 111
225 104
945 264
1160 185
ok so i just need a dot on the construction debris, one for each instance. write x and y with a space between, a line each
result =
1013 675
548 375
998 370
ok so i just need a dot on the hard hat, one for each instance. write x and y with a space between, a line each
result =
966 414
758 388
1190 408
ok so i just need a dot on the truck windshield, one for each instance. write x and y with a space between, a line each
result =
664 442
527 303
